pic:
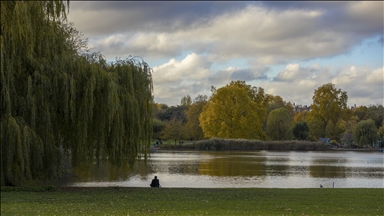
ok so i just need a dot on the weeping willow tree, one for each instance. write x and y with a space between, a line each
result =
61 105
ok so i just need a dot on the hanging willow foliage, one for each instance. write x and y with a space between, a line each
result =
60 105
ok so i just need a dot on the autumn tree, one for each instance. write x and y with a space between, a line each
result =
350 124
278 124
61 104
186 101
376 113
365 133
329 105
276 102
173 130
316 128
236 110
361 112
301 130
301 116
193 128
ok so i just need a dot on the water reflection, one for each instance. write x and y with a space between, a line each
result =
243 169
233 166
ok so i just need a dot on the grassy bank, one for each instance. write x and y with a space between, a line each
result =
245 144
193 201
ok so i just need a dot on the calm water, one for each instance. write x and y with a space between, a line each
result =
245 169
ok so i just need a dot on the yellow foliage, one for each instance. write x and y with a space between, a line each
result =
231 113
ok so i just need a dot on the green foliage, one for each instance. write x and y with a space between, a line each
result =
61 105
365 133
276 102
158 127
186 101
329 105
168 113
193 128
350 124
235 111
381 133
376 113
278 124
173 130
361 113
334 130
301 130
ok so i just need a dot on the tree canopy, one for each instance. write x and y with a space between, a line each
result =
235 111
329 105
365 133
301 130
279 124
193 128
60 104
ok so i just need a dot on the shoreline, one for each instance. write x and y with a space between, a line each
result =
329 149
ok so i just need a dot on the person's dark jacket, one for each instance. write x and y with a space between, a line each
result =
155 183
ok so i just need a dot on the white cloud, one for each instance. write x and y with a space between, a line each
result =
364 85
290 73
192 67
175 79
267 35
376 77
193 75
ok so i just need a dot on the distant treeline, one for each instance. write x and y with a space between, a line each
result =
245 144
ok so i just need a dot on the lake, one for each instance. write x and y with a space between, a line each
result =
244 169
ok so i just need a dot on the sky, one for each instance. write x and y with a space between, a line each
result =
287 48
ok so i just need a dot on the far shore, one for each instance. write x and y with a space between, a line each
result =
183 147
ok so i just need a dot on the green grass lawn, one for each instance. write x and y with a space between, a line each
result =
194 201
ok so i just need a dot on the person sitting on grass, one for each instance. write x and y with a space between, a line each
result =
155 182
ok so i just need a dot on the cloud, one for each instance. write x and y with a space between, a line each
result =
290 73
192 67
161 30
175 79
249 75
364 85
194 75
265 35
113 17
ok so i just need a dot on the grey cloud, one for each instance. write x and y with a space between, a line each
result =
307 5
249 75
231 30
131 16
219 78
